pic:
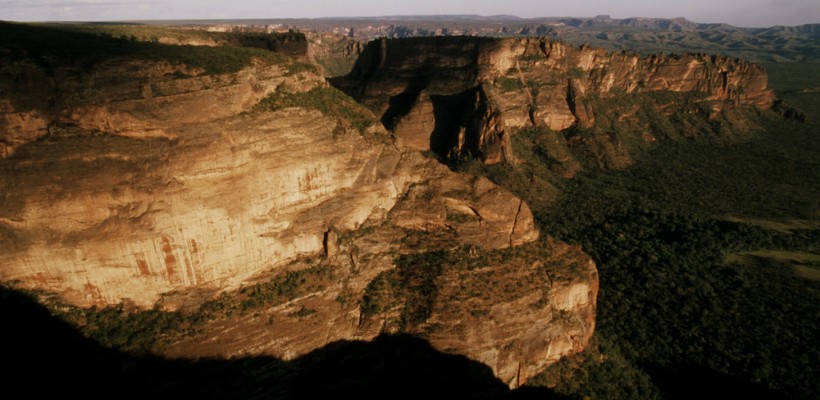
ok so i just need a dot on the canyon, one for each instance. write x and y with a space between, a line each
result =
465 97
154 184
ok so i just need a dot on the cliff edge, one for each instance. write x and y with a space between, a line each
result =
253 195
465 96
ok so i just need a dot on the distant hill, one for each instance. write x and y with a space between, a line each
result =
430 18
678 35
643 35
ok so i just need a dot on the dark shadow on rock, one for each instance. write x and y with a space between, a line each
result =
44 357
401 104
452 114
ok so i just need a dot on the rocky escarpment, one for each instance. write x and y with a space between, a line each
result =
131 99
123 200
516 309
462 96
468 303
293 44
151 183
335 53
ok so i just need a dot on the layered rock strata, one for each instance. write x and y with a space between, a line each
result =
153 184
464 96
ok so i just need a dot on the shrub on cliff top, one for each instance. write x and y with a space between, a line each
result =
329 101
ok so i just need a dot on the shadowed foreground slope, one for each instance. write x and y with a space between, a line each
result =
44 356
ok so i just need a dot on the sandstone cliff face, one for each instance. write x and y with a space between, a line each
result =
128 98
429 92
424 87
517 316
156 185
181 191
516 309
335 53
293 44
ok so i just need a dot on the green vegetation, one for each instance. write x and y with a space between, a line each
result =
411 287
530 57
335 66
798 85
139 331
707 247
132 331
284 287
302 312
329 101
776 44
575 72
708 260
509 84
599 372
465 281
142 33
83 47
418 274
670 301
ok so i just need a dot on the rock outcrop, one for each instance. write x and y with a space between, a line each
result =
145 189
429 270
152 184
517 309
335 53
290 43
128 98
462 96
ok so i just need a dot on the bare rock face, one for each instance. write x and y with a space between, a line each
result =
475 210
154 185
439 212
335 52
129 98
578 105
517 316
105 218
206 199
413 131
514 310
429 92
463 96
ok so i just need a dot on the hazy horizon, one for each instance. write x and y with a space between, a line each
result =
749 13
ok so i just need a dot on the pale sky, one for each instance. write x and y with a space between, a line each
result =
749 13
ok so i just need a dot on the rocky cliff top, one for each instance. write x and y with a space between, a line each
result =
464 96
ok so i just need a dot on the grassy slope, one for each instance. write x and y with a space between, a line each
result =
84 46
329 101
694 288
